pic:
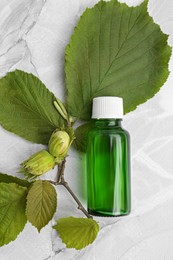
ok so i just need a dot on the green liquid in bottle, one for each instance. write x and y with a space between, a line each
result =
108 169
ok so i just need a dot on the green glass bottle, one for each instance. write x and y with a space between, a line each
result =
108 160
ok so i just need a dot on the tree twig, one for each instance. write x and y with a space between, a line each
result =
80 206
61 181
59 171
62 169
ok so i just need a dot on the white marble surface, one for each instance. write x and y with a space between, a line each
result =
33 36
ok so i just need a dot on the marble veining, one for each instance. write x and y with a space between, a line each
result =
33 36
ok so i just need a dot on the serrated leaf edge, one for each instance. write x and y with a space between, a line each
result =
96 231
25 208
39 229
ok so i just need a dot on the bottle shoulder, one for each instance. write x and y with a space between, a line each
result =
95 130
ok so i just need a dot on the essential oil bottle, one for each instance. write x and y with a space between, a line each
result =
108 160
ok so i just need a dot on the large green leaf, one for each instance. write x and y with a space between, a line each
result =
77 232
27 107
11 179
115 50
41 203
12 211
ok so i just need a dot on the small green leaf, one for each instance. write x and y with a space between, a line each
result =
11 179
61 108
81 136
41 203
60 111
27 107
115 50
12 211
77 232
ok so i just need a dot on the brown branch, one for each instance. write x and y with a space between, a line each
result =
61 181
61 170
80 206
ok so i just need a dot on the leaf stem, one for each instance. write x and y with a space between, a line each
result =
61 181
61 168
80 206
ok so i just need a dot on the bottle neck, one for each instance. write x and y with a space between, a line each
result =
108 122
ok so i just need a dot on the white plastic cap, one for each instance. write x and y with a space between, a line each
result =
107 107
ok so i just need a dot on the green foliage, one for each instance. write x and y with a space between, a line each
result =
115 50
12 211
11 179
27 107
41 203
77 232
81 135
